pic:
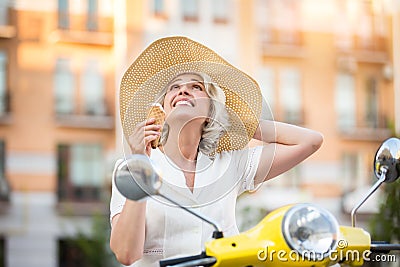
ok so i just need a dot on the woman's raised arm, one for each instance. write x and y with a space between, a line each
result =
285 146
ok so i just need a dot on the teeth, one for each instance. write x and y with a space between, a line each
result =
183 102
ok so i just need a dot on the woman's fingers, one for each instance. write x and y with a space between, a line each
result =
150 138
144 132
152 127
151 133
142 124
146 126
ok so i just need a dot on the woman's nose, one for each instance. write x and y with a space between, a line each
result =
183 90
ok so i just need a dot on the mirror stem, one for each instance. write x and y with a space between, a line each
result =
381 179
217 232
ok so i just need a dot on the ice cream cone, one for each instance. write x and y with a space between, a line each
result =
156 111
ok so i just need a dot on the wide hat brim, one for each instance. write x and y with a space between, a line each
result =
166 58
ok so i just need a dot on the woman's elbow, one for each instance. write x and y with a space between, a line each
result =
317 140
125 257
127 260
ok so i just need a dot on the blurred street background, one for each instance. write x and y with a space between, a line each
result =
330 65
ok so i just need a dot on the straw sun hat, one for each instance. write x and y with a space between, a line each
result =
168 57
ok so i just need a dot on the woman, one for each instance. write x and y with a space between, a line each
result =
212 111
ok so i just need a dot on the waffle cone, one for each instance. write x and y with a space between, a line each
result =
156 111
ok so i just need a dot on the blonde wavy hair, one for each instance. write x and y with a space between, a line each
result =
218 118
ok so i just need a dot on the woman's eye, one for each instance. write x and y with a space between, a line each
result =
174 87
198 87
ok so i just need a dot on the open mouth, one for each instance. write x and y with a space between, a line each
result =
183 102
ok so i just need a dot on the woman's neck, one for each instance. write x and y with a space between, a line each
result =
182 145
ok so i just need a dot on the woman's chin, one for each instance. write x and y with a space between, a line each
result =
182 117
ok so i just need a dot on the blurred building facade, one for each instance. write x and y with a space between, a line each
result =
56 125
326 65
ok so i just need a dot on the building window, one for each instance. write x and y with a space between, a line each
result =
343 17
158 7
2 251
220 11
277 22
364 30
290 95
287 20
345 101
350 167
80 172
372 110
190 10
159 10
3 12
4 101
92 15
85 96
356 171
290 179
63 16
93 90
266 81
69 13
263 18
4 187
64 87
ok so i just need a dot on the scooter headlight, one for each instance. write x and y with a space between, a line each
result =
311 231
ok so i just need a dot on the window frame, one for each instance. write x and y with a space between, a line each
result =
5 99
92 19
159 9
4 186
349 122
189 13
66 190
218 16
63 70
287 87
92 76
63 21
372 112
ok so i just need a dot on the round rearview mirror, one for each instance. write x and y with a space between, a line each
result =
136 178
388 157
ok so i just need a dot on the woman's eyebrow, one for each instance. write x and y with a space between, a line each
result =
173 81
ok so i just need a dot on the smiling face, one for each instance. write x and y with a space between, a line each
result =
186 98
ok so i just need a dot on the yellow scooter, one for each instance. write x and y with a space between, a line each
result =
293 235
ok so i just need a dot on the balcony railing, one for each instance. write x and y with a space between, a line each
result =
276 42
82 37
367 130
83 30
373 49
86 117
105 122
